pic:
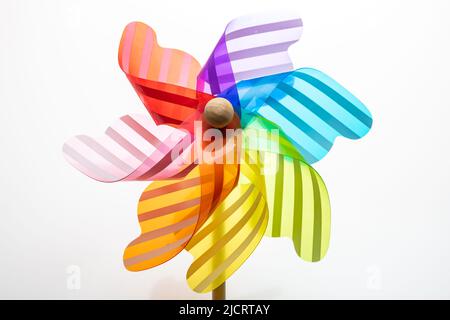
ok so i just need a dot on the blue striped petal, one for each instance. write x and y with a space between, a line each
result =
311 108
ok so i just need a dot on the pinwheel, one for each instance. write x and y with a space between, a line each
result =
228 147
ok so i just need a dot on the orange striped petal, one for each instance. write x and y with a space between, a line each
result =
171 211
168 213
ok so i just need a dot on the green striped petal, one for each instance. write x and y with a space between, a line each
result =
298 202
299 206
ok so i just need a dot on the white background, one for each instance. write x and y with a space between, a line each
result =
389 191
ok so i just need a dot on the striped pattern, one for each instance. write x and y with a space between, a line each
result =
299 206
167 223
219 212
133 148
231 233
254 92
164 79
297 198
263 136
251 47
141 56
169 212
311 108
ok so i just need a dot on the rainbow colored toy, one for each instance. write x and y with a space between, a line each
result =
228 147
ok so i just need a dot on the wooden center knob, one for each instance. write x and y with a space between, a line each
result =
218 112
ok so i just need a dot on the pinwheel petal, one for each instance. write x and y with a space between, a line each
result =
170 212
251 47
298 202
140 56
133 148
231 233
262 135
311 108
299 206
164 79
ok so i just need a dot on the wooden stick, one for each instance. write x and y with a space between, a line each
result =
219 292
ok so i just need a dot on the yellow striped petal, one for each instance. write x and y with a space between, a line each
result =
230 234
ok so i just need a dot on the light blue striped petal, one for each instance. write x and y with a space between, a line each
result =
311 108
